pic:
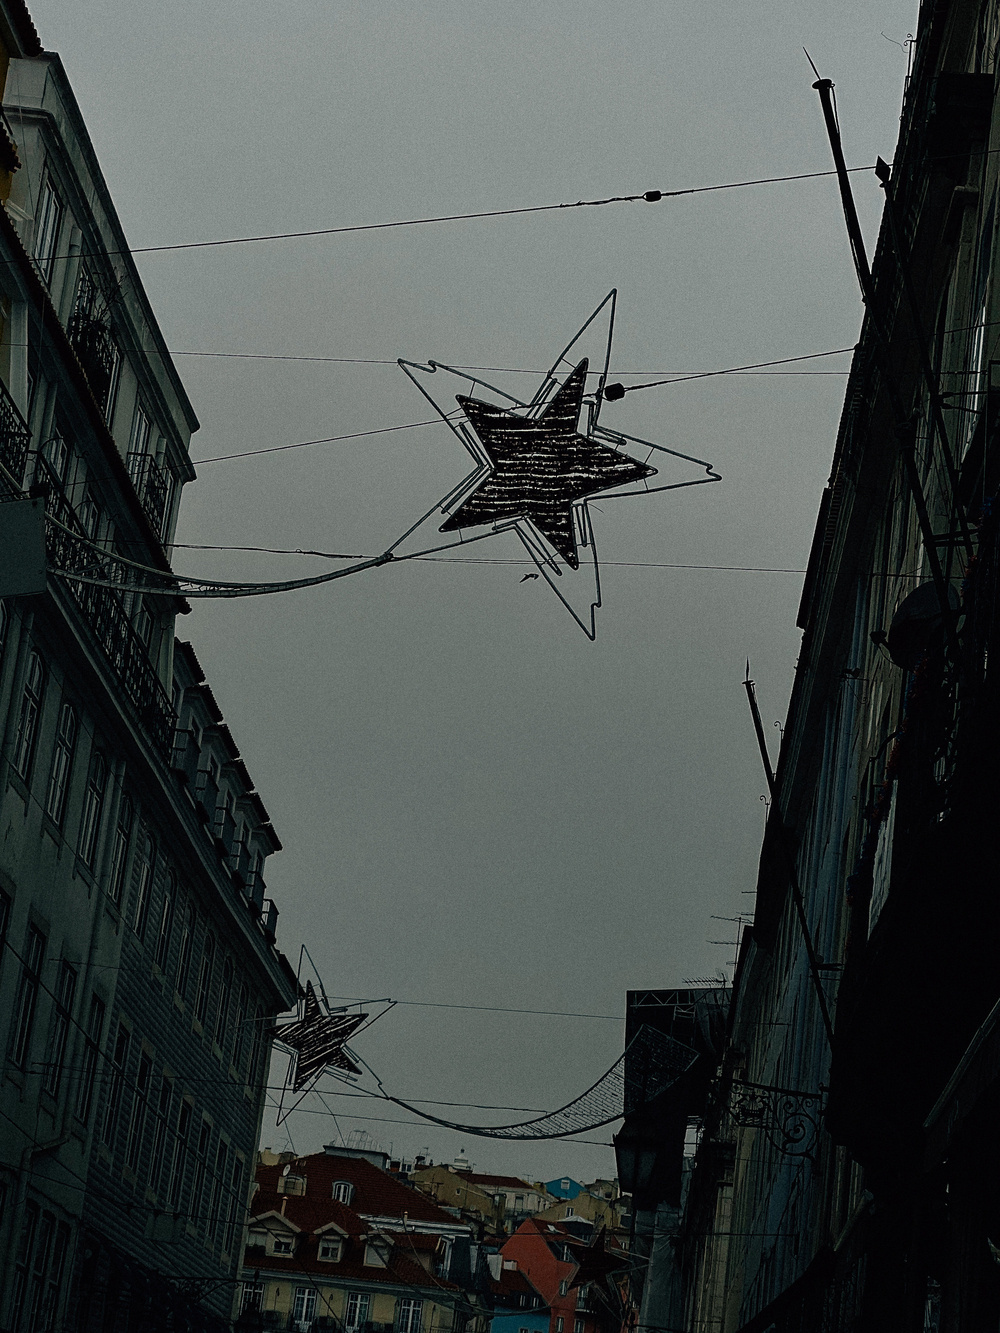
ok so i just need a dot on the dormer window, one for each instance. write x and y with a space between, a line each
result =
330 1249
282 1245
377 1254
343 1191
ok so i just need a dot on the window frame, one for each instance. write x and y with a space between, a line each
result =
32 703
93 809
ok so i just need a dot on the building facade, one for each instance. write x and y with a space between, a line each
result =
845 1181
336 1241
138 970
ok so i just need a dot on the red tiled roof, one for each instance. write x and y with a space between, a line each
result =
512 1282
400 1271
376 1192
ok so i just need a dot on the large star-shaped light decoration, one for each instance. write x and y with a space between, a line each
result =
597 1263
540 466
540 463
318 1041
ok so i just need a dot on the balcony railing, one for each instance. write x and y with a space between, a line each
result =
14 439
95 349
152 486
105 613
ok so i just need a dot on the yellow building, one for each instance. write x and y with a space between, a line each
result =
601 1203
337 1242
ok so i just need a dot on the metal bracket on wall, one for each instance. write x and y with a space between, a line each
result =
789 1119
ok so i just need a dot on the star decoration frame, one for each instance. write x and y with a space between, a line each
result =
541 461
316 1041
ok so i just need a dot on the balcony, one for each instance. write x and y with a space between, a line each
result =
14 439
105 613
95 350
152 485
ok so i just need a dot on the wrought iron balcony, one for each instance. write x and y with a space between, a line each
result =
105 613
152 486
95 349
14 439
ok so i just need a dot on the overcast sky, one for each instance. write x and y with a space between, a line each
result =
478 806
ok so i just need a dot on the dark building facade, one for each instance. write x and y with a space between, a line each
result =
138 971
846 1173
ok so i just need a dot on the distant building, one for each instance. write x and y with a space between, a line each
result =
601 1205
501 1202
564 1188
518 1307
548 1254
337 1242
138 968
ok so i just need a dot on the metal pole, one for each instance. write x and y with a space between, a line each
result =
825 89
793 878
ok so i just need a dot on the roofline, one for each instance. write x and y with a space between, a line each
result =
56 68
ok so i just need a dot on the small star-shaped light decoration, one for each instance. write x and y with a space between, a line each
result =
540 460
541 465
317 1040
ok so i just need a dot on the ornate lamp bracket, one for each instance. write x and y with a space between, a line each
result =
789 1119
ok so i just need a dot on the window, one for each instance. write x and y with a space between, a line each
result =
257 1039
55 451
252 1297
166 921
577 1326
4 922
239 1026
91 1053
205 978
27 724
560 1323
65 992
89 515
225 995
235 1187
178 1159
343 1191
24 1009
358 1308
113 384
187 943
120 850
408 1313
147 869
118 1061
330 1249
217 1207
156 1155
138 444
62 763
201 1172
23 1257
304 1307
282 1245
50 211
564 1287
93 805
140 1106
376 1254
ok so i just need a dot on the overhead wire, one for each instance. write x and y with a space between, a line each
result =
647 196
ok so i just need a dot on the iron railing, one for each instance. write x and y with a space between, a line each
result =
95 349
14 439
105 613
152 487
